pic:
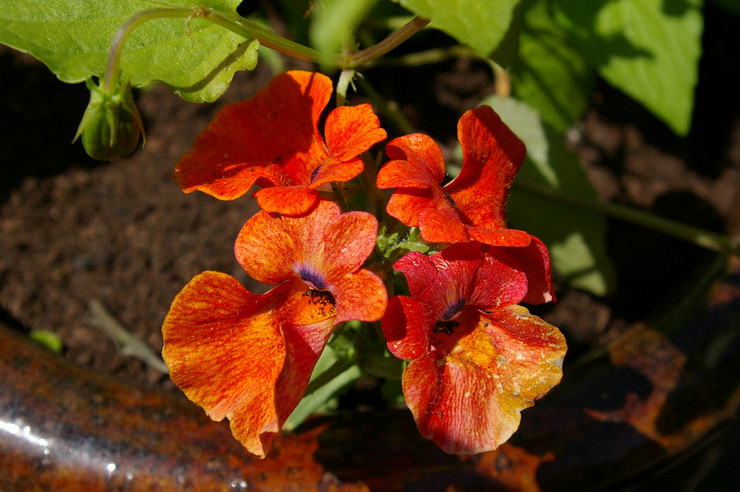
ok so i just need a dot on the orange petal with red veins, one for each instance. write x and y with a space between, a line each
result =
417 162
352 130
243 356
406 204
324 248
347 242
359 296
272 248
336 170
272 137
492 155
500 237
499 281
442 224
535 262
407 326
287 200
468 393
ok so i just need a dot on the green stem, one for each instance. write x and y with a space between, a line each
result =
116 49
330 374
700 237
427 57
392 41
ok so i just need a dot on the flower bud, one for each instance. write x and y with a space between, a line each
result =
111 125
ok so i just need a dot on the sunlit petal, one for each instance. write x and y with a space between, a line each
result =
243 356
407 326
468 393
492 155
272 137
535 262
360 296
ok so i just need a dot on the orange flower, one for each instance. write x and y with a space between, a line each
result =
249 357
477 358
273 140
472 206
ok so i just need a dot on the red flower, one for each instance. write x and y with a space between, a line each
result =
472 206
249 357
273 140
477 358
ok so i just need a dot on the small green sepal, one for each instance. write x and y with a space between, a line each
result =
111 125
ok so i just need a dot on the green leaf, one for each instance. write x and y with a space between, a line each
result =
334 21
550 74
649 49
48 339
196 58
480 24
576 237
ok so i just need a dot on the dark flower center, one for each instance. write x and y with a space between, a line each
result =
446 327
322 301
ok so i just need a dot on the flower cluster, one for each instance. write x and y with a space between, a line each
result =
476 357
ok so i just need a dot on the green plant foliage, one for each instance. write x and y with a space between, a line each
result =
48 339
324 397
480 24
649 49
576 237
195 58
334 22
549 73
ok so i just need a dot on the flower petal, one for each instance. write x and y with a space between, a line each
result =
499 237
325 248
243 356
407 204
500 281
492 155
472 206
467 394
272 248
352 130
407 326
416 172
443 281
535 262
360 296
442 224
336 170
287 200
348 240
272 139
417 162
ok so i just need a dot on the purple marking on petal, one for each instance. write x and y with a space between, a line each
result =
315 173
453 310
312 278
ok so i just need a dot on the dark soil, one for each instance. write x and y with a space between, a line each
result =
73 230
